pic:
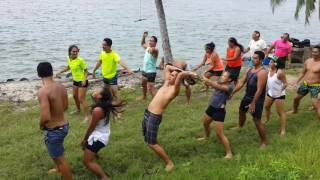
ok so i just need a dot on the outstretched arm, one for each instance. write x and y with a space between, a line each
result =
67 68
125 66
95 68
240 83
214 84
204 59
143 40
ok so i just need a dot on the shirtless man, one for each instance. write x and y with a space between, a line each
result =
53 102
153 114
311 82
184 66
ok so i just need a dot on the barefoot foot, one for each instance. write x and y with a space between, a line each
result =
292 112
53 171
141 98
228 156
169 166
263 146
202 139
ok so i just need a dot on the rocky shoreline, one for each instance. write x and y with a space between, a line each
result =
21 91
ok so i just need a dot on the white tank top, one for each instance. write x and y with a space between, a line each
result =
100 133
275 86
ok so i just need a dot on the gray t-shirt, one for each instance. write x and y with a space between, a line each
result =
219 98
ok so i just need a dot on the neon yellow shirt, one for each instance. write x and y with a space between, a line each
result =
109 63
77 67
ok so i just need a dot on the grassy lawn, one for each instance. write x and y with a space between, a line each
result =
23 154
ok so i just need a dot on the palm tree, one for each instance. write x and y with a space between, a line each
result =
310 6
164 32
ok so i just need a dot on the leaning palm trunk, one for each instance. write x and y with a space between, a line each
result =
164 32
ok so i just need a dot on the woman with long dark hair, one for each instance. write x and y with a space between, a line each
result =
98 131
234 59
79 72
212 58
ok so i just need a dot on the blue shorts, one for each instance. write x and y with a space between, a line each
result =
53 138
112 81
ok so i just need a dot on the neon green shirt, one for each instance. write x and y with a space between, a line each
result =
109 63
77 67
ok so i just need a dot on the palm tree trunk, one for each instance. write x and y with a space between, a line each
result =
164 32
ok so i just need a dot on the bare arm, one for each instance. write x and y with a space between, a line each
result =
95 68
270 49
45 114
235 56
303 73
154 51
282 77
122 64
246 50
65 99
215 85
204 59
182 75
67 68
241 83
97 115
143 40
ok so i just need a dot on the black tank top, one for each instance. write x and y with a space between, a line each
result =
252 84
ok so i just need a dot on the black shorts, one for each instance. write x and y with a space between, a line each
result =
244 106
215 73
217 114
150 126
95 147
79 84
112 82
280 97
151 77
234 72
281 63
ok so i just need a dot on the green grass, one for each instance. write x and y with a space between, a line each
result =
23 154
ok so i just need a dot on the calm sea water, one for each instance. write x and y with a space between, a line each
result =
34 31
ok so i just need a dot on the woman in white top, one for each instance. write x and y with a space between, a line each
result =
98 132
276 86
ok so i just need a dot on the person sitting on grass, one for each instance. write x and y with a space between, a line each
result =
153 114
276 86
53 100
98 131
216 110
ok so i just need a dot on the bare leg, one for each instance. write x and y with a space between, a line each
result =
224 140
316 105
114 91
75 91
242 118
163 155
84 103
296 102
63 167
206 125
144 89
151 89
188 94
268 103
88 161
282 115
262 132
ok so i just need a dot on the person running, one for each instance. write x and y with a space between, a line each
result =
311 82
234 59
109 60
216 110
283 50
181 64
53 100
98 132
149 70
253 100
255 44
276 86
153 114
212 58
79 72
